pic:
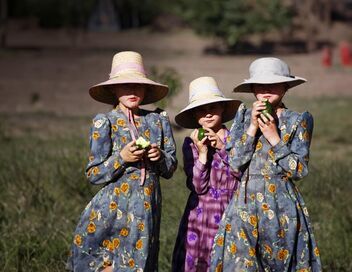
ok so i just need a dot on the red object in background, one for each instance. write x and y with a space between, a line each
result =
345 54
326 59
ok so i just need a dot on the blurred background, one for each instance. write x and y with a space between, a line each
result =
52 51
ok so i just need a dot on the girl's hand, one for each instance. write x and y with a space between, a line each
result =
108 269
154 152
214 139
131 153
268 127
202 147
258 106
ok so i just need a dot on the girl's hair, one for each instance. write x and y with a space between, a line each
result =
111 89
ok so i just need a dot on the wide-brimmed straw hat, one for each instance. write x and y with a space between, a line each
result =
127 67
202 91
268 71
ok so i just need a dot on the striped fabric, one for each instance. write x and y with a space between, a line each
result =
212 186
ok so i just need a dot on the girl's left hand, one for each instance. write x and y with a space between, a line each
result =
154 152
268 127
214 139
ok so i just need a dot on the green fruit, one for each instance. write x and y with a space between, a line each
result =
142 143
268 109
201 133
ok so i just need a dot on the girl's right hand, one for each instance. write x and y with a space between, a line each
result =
202 147
131 153
257 108
108 269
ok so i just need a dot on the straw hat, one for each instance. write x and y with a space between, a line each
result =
268 71
202 91
127 67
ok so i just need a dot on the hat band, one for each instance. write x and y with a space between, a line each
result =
199 97
128 67
268 74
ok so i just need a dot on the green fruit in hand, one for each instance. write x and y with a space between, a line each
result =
268 108
142 143
201 133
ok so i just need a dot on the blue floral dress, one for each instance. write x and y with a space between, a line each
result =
266 226
120 225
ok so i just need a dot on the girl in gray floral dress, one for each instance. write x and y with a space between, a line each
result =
119 228
266 226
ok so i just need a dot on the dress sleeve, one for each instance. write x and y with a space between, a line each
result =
168 162
196 172
236 174
104 164
239 145
293 156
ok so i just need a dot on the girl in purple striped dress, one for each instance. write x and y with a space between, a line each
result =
209 177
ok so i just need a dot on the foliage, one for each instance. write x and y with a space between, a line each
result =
232 20
75 13
135 13
53 13
43 189
169 77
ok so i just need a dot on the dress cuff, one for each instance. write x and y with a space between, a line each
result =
280 151
194 150
200 166
249 142
118 159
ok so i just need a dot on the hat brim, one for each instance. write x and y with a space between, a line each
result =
102 92
246 85
187 119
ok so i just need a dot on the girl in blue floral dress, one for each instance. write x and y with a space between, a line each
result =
266 226
119 228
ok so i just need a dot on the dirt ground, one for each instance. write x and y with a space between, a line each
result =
51 71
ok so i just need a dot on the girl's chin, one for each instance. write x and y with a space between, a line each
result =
211 126
132 105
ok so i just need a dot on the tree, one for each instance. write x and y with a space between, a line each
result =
313 16
233 20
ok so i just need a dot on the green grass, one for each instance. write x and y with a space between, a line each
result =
43 189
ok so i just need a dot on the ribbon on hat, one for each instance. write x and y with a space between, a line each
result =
128 67
204 96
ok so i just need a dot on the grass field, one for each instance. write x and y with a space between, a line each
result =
43 189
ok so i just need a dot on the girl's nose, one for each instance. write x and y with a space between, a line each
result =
265 89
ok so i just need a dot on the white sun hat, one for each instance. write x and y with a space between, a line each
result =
268 70
127 68
202 91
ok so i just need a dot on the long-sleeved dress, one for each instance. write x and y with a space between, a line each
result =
212 186
266 226
120 225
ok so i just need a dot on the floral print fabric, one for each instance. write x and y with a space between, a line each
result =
266 226
212 186
120 225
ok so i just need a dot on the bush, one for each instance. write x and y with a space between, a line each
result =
233 20
169 77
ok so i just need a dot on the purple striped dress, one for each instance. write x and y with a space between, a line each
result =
212 186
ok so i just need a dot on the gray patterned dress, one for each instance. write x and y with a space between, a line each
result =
120 225
266 226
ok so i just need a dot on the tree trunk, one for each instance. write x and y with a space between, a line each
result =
3 22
